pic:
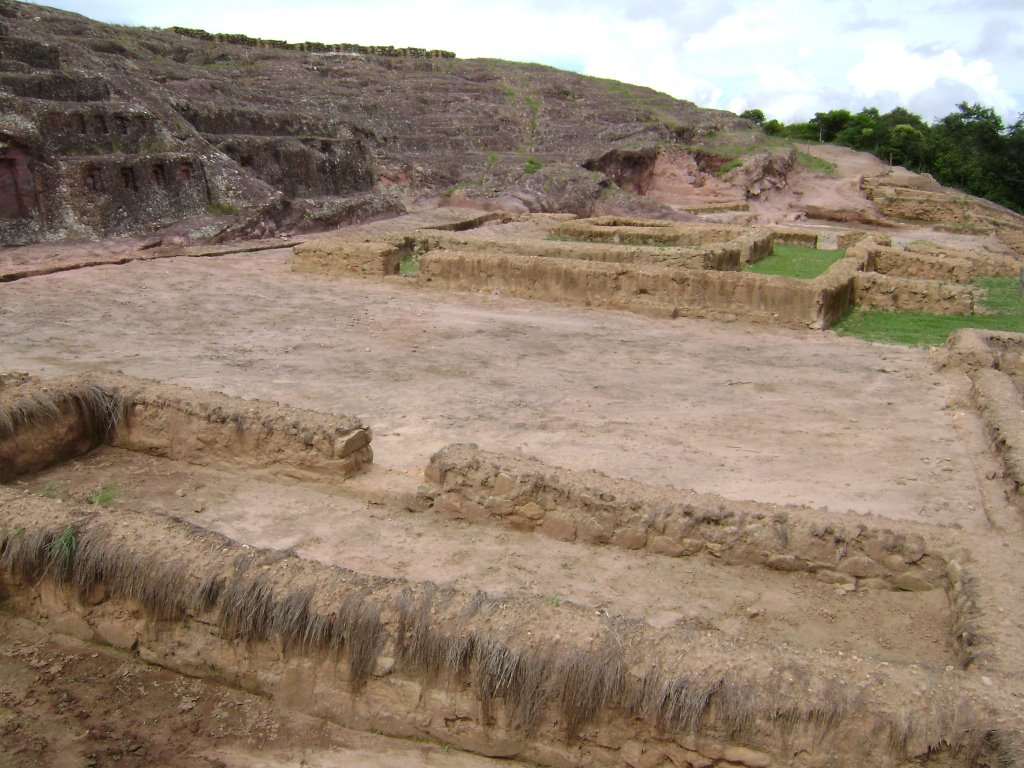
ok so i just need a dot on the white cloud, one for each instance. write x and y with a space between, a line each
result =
889 67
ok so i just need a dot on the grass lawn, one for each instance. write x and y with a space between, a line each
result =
795 261
1001 298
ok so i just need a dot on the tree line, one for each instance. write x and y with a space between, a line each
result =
970 149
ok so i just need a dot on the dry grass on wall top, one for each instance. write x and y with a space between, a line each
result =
102 410
443 633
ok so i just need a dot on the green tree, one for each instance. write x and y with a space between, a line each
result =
968 147
756 116
831 123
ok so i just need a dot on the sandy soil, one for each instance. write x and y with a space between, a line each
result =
743 411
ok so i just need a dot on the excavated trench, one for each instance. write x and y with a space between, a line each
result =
110 478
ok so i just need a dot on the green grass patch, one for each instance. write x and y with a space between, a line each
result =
102 496
410 265
532 165
795 261
726 167
1000 301
816 164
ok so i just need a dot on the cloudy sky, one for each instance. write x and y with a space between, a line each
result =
790 58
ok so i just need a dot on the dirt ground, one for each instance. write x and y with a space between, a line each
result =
67 704
743 411
746 412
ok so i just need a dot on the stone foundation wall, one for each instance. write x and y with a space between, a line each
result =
992 360
899 263
644 288
913 295
982 263
46 423
476 672
466 483
754 244
720 257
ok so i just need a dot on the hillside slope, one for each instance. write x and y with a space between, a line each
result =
109 130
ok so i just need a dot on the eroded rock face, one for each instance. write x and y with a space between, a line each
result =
109 131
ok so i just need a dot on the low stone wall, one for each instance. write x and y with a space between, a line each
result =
43 424
913 295
465 482
802 237
557 685
898 263
982 263
720 257
647 288
377 249
992 360
349 258
754 243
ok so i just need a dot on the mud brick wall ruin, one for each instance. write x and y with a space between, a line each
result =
67 418
993 361
661 269
556 684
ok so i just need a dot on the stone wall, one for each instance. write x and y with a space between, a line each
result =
904 294
992 360
646 288
464 482
754 243
42 424
982 262
721 257
904 263
473 671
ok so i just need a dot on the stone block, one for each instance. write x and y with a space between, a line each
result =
559 528
504 485
785 563
748 757
591 532
630 538
665 545
531 511
473 512
861 566
351 442
834 577
118 633
520 523
909 582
